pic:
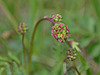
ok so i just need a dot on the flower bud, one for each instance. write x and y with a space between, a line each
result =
22 28
60 32
56 17
71 54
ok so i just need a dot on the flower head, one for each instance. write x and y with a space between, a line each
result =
71 54
60 32
56 17
22 28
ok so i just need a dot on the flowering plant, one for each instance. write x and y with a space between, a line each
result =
60 32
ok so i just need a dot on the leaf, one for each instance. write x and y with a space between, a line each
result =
91 24
8 70
84 66
96 6
23 70
4 43
1 70
13 57
2 63
75 46
16 69
96 51
44 72
89 72
5 59
84 41
57 66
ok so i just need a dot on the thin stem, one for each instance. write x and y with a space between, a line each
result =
24 56
32 41
69 43
72 67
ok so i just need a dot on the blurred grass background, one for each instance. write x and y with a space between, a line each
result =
81 16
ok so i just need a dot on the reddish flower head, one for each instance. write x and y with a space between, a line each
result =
22 28
56 17
71 54
60 32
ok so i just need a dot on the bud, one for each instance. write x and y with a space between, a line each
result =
71 54
56 17
60 32
22 28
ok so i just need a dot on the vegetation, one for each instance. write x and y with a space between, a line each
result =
41 54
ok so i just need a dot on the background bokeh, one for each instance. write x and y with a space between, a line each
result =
81 16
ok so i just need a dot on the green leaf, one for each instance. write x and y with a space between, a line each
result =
91 24
5 59
44 72
75 46
89 72
84 66
96 6
1 70
2 63
4 43
96 51
57 67
13 57
16 69
23 70
8 70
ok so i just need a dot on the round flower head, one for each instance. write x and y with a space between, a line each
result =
60 32
22 28
71 54
56 17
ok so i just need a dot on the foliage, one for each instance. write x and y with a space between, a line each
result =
83 20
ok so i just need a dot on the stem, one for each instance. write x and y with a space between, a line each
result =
24 56
32 41
72 67
69 43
